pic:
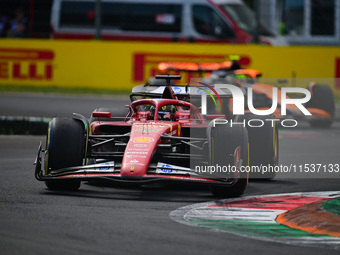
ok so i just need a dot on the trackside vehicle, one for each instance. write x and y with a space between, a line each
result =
162 138
229 21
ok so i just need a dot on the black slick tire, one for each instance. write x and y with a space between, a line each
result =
223 142
64 148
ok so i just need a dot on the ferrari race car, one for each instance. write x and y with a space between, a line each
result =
321 105
162 138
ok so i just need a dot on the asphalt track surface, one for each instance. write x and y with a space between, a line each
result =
106 219
49 105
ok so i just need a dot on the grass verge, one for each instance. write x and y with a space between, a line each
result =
56 90
16 126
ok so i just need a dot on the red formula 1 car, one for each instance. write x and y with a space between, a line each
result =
160 140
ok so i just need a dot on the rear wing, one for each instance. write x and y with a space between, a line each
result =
158 90
172 91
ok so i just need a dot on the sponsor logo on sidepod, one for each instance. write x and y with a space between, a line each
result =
142 140
166 168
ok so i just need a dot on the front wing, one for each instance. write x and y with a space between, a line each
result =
109 171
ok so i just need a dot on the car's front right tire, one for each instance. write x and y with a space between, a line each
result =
64 148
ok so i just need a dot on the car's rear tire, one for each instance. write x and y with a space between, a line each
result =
64 148
322 98
223 141
263 145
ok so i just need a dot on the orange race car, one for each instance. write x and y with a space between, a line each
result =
321 104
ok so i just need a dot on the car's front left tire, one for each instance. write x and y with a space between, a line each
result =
224 141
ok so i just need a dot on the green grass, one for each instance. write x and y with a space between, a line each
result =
55 90
332 206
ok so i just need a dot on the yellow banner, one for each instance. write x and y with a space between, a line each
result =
121 65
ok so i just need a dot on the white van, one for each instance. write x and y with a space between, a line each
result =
229 21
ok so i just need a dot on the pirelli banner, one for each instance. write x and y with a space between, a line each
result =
119 65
